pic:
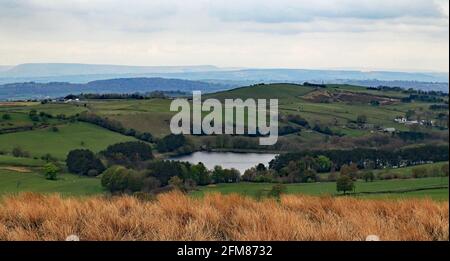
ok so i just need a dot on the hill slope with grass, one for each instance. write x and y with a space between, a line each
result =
58 143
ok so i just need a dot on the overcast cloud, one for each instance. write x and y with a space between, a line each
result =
361 34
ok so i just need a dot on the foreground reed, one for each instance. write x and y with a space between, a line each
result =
175 216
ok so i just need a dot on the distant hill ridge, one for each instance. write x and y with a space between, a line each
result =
33 90
83 73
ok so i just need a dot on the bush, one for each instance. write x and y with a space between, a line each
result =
419 172
120 179
176 182
18 152
332 177
149 184
33 115
81 161
92 173
369 176
6 117
277 190
48 158
50 171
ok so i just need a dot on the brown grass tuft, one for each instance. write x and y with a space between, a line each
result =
175 216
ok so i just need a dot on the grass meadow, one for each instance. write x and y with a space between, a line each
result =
68 137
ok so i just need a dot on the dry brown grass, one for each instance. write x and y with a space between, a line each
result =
176 216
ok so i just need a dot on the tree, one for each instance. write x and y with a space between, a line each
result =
33 115
163 170
171 143
369 176
200 174
350 171
121 179
80 161
444 170
6 117
344 183
324 163
128 153
50 171
220 175
261 167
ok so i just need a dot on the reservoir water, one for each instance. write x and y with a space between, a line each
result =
228 160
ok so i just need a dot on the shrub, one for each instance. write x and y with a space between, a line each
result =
176 182
81 161
48 158
33 115
419 172
6 117
444 170
150 183
120 179
50 171
18 152
332 177
277 190
92 173
369 176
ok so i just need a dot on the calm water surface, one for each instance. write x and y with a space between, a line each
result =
239 161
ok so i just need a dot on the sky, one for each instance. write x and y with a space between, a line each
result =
401 35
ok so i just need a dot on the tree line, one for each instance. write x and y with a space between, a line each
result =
372 158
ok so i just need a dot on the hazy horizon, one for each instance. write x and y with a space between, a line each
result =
404 36
241 68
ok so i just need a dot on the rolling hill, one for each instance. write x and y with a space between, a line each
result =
33 90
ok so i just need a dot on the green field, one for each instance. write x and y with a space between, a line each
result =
67 184
58 144
329 188
7 160
153 115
